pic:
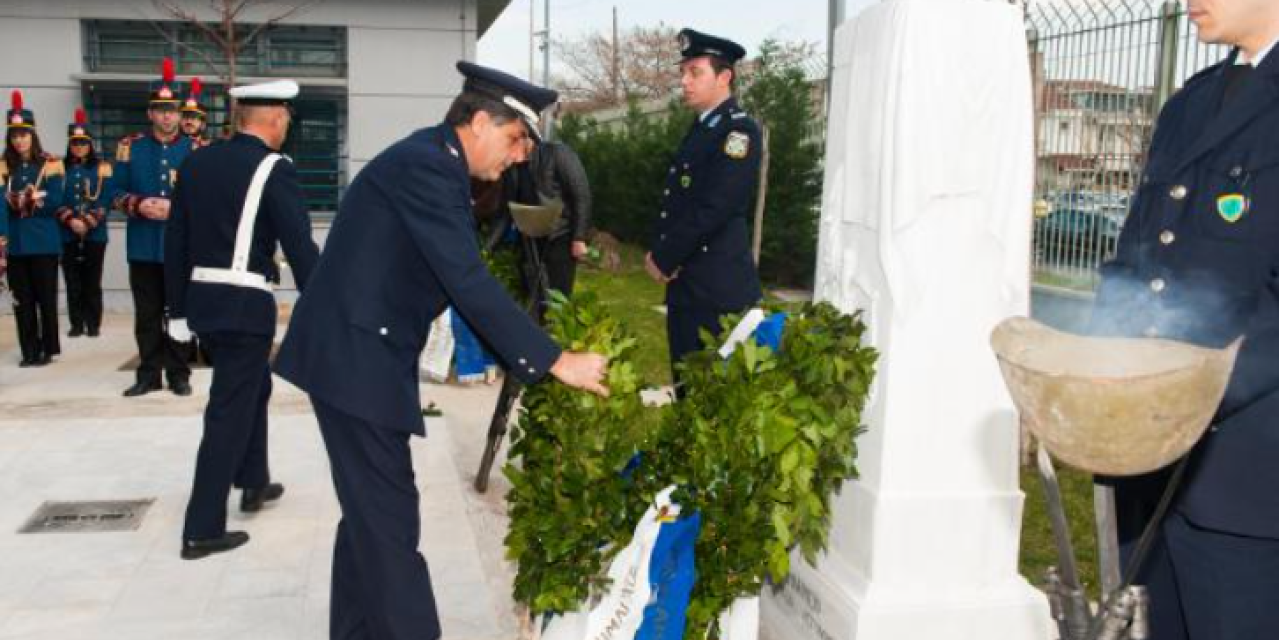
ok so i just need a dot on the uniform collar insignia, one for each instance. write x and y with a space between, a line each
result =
713 121
452 150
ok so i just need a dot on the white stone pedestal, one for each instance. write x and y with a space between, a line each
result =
926 226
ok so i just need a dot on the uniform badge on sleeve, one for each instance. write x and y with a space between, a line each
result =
1232 206
737 145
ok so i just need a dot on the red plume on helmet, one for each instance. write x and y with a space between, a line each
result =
80 117
166 70
15 99
196 88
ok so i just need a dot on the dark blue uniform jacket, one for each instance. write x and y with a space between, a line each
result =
402 248
202 233
1197 262
701 234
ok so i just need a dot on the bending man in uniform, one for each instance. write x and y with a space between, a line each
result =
403 247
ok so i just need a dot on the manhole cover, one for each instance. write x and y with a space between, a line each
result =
86 517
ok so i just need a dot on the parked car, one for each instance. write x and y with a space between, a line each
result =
1081 227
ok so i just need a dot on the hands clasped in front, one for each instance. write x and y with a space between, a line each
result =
154 208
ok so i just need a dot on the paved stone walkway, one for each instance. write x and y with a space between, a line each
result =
67 434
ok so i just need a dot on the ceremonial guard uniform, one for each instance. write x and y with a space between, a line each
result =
84 229
194 119
1197 262
33 192
402 248
701 237
146 168
235 201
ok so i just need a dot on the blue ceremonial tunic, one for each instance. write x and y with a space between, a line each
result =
146 167
36 234
83 192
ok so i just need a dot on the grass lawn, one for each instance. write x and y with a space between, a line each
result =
633 296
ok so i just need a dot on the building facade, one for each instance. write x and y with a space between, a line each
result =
370 71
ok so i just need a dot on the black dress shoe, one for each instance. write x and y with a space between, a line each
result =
251 500
196 549
92 332
27 362
41 360
75 332
180 387
142 387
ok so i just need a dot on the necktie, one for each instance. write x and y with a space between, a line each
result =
1235 75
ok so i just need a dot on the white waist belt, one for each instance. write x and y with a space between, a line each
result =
229 276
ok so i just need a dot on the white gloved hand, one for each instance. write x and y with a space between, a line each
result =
179 331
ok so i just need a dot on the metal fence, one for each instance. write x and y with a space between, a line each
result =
1101 70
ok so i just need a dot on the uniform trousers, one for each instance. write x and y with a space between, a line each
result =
684 326
1205 584
557 258
34 283
157 352
381 587
233 450
82 270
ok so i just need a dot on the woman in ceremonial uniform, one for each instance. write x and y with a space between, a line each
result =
84 229
32 194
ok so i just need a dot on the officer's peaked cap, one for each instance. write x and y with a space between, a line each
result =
276 92
694 44
526 98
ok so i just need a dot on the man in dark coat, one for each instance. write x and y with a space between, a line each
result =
403 248
701 248
1196 262
235 202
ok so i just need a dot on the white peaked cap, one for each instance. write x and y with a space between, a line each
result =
276 91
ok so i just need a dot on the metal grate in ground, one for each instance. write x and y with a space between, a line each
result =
88 516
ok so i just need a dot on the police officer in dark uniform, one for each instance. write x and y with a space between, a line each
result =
701 248
403 248
235 201
1197 262
141 186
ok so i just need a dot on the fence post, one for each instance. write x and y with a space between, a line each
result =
1167 63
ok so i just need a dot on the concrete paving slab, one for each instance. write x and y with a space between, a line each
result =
67 434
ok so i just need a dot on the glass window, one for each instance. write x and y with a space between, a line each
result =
281 50
316 143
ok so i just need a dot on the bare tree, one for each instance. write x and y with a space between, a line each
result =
220 24
639 63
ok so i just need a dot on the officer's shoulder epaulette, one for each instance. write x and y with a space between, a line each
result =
53 165
122 149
